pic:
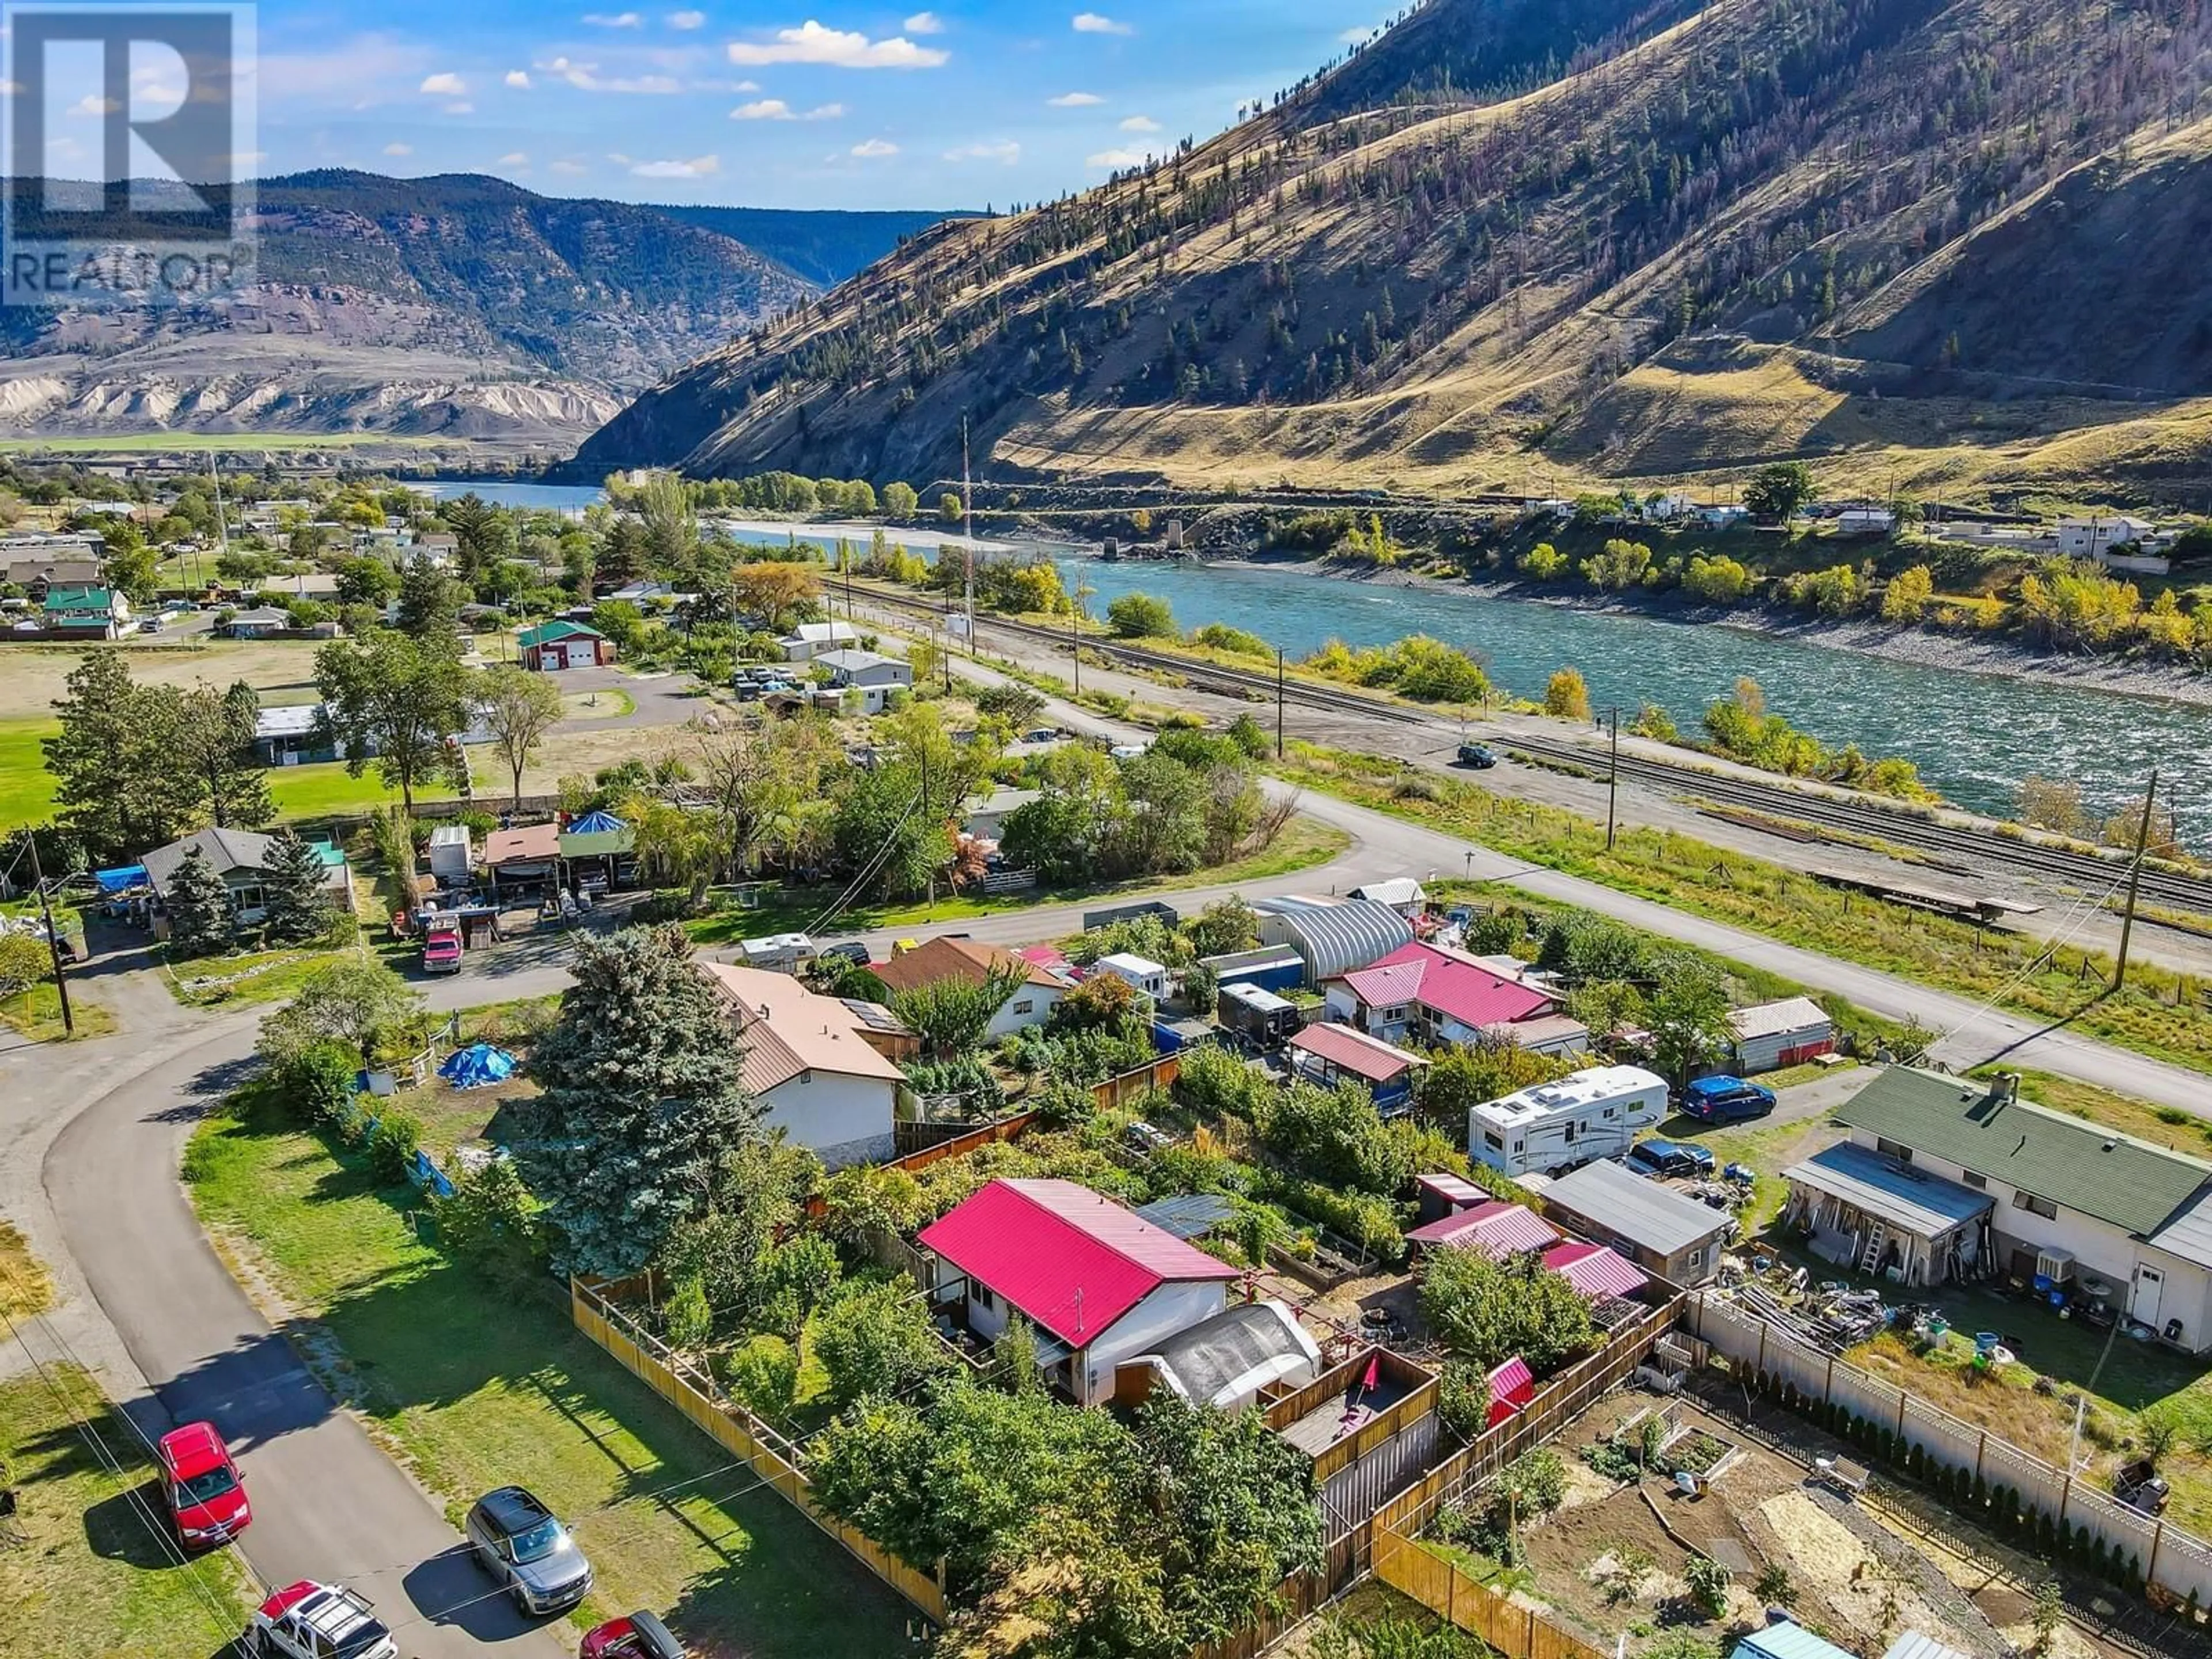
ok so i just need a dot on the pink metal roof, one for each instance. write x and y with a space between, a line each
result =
1513 1381
1071 1259
1496 1227
1356 1052
1454 1189
1450 982
1595 1270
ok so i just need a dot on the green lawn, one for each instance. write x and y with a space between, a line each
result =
326 790
27 789
82 1571
477 1386
249 977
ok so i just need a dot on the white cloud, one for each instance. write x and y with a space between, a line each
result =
1113 161
746 86
399 149
810 42
871 148
519 79
514 158
619 20
1353 37
687 20
699 167
775 109
570 169
1075 101
461 108
93 104
1008 152
585 77
1141 124
1090 22
444 85
925 23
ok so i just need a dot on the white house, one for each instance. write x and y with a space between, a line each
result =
1098 1284
1865 521
2093 537
1402 894
1720 517
874 677
807 1059
1956 1178
810 640
1142 974
1666 508
1035 995
1586 1115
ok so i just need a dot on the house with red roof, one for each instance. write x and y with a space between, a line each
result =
1595 1270
1495 1227
1329 1054
1096 1282
1432 993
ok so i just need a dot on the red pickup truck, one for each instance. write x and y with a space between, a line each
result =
442 947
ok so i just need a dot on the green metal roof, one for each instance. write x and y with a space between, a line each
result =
80 598
546 633
2068 1160
598 844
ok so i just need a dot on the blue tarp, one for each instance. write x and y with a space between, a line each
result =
476 1065
594 823
121 879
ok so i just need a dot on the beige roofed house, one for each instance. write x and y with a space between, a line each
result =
809 1060
970 961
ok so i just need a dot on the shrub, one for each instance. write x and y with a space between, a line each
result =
763 1375
685 1315
1543 563
393 1145
1708 1583
318 1083
876 1340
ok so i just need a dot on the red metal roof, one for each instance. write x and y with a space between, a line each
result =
1450 982
1356 1052
1595 1270
1497 1228
1072 1260
1512 1386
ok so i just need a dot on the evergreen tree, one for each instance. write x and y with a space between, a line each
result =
641 1095
116 780
430 602
198 903
215 758
292 889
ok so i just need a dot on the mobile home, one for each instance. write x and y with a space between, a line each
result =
1586 1115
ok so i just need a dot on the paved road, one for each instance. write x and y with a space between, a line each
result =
328 1504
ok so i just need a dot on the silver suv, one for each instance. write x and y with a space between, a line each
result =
516 1540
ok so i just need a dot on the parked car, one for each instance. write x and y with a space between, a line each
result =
849 950
519 1542
1042 734
641 1636
307 1621
151 625
1478 756
1726 1100
1125 750
207 1500
1670 1157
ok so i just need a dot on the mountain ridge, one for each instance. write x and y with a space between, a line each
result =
1768 226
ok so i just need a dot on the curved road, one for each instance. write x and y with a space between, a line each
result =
328 1504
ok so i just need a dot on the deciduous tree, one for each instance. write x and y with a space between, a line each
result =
517 708
396 698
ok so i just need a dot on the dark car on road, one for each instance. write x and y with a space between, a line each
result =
1726 1100
1478 756
1670 1157
519 1542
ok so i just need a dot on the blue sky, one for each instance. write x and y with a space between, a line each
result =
816 105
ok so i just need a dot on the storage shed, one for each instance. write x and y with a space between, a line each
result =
1773 1034
1659 1229
452 856
1332 936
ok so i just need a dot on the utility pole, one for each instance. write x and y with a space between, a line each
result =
2135 881
1278 702
968 532
53 936
1613 781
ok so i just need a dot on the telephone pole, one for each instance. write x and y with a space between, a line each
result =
1278 702
54 937
2135 881
1613 780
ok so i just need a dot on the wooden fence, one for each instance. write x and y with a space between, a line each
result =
1515 1632
686 1386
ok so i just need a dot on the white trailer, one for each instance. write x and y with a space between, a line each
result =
1585 1115
452 858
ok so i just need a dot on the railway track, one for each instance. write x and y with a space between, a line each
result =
1900 829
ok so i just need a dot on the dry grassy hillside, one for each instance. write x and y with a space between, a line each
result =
1955 236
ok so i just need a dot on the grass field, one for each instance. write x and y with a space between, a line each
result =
27 788
477 1386
88 1572
26 1287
